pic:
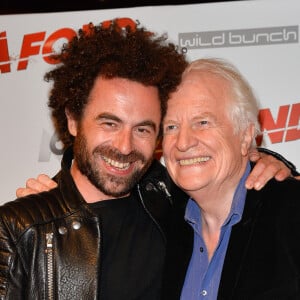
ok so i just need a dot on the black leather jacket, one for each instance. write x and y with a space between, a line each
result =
39 253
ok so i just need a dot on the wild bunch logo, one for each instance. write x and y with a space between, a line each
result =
239 37
39 43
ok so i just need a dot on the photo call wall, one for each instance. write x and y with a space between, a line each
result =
260 37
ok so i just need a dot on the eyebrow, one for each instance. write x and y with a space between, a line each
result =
108 116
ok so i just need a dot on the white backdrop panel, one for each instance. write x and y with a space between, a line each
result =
260 37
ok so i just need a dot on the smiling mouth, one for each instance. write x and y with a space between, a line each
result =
192 161
116 164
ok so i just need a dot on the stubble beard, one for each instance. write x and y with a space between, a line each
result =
110 185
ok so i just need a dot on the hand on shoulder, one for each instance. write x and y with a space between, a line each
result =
42 183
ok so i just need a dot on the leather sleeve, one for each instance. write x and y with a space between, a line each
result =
12 273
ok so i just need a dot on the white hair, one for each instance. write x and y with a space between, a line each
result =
244 108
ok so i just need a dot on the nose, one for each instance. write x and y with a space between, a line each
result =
185 139
123 141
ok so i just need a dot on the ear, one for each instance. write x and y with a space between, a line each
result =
247 139
72 123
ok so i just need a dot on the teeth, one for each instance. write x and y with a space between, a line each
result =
191 161
116 164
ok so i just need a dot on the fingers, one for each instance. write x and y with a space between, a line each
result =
22 192
46 181
265 169
33 186
255 155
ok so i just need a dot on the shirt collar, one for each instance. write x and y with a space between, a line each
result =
193 212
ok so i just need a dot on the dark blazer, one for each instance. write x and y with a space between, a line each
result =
263 255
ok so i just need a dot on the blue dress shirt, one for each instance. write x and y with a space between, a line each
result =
203 277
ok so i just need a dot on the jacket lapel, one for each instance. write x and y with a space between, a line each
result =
240 238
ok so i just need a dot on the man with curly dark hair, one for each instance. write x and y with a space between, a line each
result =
74 242
103 231
131 53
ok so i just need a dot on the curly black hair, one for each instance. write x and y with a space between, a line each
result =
110 51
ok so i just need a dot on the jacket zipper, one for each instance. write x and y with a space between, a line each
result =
148 212
49 261
162 186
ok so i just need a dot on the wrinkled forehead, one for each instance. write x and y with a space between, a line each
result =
201 76
200 85
199 93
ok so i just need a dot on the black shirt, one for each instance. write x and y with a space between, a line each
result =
131 246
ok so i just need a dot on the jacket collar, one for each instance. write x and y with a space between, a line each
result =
241 235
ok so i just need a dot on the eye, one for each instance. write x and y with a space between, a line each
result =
108 125
203 123
170 128
144 131
111 124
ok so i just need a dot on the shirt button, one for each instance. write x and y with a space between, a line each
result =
204 293
201 249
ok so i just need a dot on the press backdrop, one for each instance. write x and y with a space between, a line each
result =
260 37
